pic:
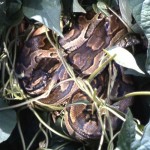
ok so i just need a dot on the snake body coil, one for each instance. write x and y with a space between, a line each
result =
83 45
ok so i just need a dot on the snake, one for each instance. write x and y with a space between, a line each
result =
83 46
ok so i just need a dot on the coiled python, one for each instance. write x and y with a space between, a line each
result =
83 45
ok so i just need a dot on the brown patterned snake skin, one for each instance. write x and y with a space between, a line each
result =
83 46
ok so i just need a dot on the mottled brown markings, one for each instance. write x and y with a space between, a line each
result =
83 54
58 96
92 25
79 34
95 65
82 58
37 61
83 45
63 91
82 128
102 36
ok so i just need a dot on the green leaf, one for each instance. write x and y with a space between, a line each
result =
10 13
7 122
77 7
136 7
44 11
124 58
141 11
145 24
13 6
127 133
144 143
125 11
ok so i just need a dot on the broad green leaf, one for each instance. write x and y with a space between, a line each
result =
136 7
127 133
145 24
125 11
44 11
71 6
141 11
7 122
126 14
77 7
135 145
12 7
10 13
124 58
144 143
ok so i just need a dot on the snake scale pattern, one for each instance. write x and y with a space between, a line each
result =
83 45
